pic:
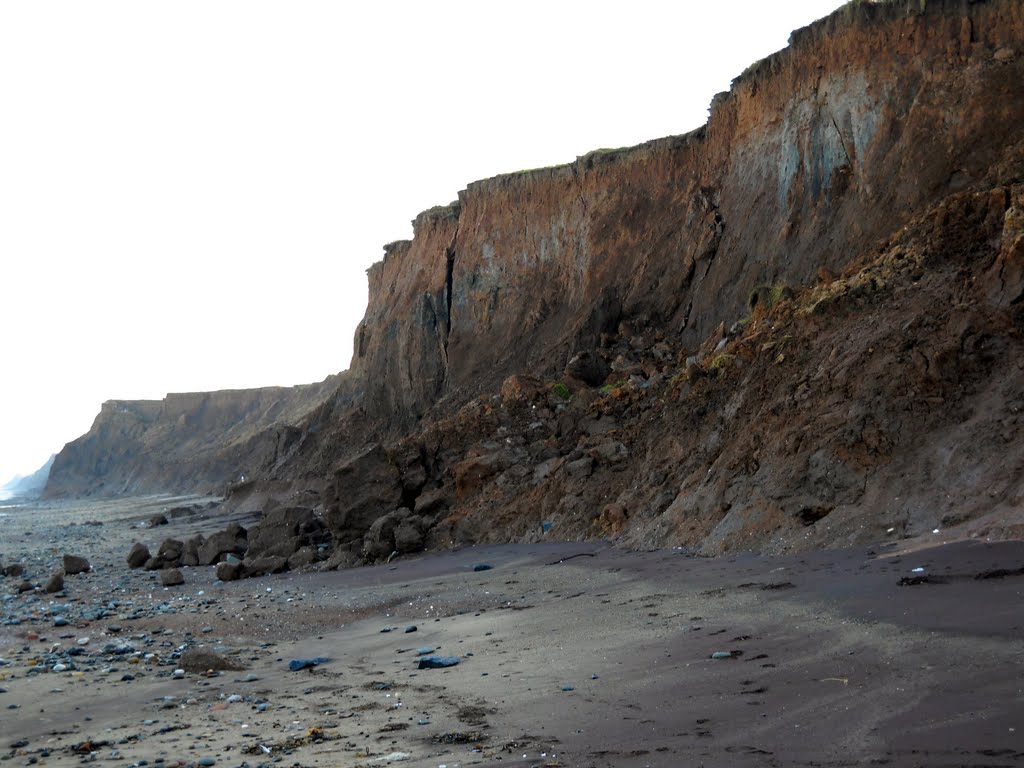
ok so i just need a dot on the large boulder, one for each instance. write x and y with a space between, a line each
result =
364 488
228 571
233 540
260 566
56 582
170 552
138 555
286 530
171 577
399 531
409 535
303 558
379 541
75 564
190 556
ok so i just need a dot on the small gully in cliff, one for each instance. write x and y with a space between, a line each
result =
733 419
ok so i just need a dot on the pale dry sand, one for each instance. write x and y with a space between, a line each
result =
836 663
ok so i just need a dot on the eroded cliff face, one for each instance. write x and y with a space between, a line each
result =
816 153
199 441
797 326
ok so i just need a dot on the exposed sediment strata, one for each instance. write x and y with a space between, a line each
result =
815 154
884 147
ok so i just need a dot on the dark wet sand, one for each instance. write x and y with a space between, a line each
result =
835 663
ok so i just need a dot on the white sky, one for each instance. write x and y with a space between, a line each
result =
191 191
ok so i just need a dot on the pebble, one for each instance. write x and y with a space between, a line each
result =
722 655
482 567
410 628
60 621
178 674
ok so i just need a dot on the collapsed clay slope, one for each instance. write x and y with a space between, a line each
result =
885 402
728 390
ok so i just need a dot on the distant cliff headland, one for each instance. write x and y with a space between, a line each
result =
798 326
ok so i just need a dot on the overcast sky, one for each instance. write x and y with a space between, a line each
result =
191 192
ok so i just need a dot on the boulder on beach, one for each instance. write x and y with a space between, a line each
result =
138 555
260 566
234 539
56 583
171 577
284 531
75 564
170 552
190 556
228 571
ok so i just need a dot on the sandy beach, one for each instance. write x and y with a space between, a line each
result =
569 654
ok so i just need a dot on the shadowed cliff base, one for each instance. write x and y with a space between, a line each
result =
796 327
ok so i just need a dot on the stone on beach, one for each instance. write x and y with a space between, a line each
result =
170 552
205 659
228 571
56 583
234 539
171 577
138 555
75 564
437 662
297 664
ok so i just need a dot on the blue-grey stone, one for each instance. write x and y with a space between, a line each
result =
438 662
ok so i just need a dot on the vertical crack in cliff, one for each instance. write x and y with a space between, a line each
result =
448 280
718 226
842 141
686 316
